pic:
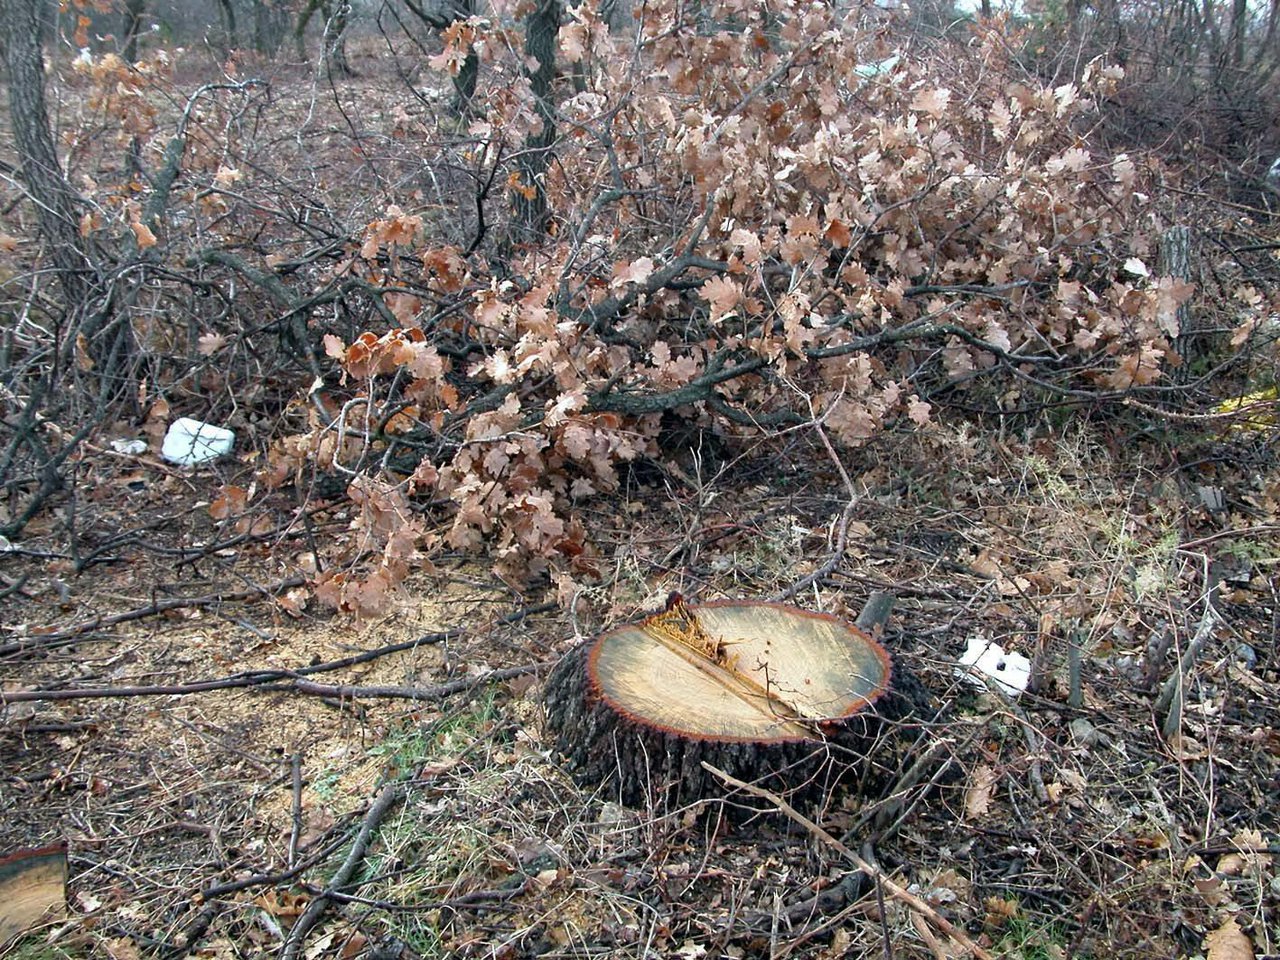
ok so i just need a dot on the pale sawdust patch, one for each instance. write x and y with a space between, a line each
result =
333 739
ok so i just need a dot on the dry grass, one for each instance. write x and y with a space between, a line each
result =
1045 830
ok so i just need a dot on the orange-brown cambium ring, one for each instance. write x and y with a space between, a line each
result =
761 690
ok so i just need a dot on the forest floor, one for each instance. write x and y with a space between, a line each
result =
204 819
209 745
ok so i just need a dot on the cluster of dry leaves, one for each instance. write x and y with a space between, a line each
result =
754 224
747 202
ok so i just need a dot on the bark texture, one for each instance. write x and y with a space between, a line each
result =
542 26
642 763
23 26
1175 261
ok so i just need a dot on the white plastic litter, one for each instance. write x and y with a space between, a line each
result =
987 659
133 448
189 442
868 70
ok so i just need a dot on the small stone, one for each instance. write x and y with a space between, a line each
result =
1085 733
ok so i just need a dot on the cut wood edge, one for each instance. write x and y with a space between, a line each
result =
834 672
33 890
640 762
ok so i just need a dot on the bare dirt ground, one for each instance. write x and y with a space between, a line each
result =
206 822
212 750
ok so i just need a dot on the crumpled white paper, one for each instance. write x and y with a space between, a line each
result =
987 660
189 442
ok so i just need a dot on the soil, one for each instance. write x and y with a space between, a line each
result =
1041 828
207 823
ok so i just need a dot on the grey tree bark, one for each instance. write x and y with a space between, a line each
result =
336 21
464 84
541 29
1175 261
134 11
1239 24
228 13
22 25
270 25
335 40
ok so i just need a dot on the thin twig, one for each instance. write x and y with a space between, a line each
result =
833 561
842 533
152 609
14 586
295 772
884 920
882 814
272 879
276 681
256 677
1229 534
914 903
1035 742
391 794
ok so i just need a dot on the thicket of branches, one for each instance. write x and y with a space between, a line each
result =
472 308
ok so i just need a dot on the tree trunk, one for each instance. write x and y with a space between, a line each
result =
541 29
464 84
770 693
134 10
335 40
1113 28
300 31
42 174
1175 261
229 27
270 24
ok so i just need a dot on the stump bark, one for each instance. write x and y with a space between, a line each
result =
793 700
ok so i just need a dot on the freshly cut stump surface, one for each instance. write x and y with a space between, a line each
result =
764 691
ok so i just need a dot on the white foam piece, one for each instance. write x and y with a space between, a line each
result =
987 660
190 442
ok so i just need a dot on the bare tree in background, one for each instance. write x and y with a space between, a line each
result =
464 84
134 11
337 19
23 26
541 27
228 12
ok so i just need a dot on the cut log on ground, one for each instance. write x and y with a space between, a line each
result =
794 700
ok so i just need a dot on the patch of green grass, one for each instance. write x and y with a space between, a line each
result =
410 744
32 948
325 784
424 854
1051 480
1025 940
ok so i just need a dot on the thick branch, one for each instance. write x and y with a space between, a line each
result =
696 390
391 794
601 313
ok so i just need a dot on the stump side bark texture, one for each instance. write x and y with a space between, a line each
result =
791 699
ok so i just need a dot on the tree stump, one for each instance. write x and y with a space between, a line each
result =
769 693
